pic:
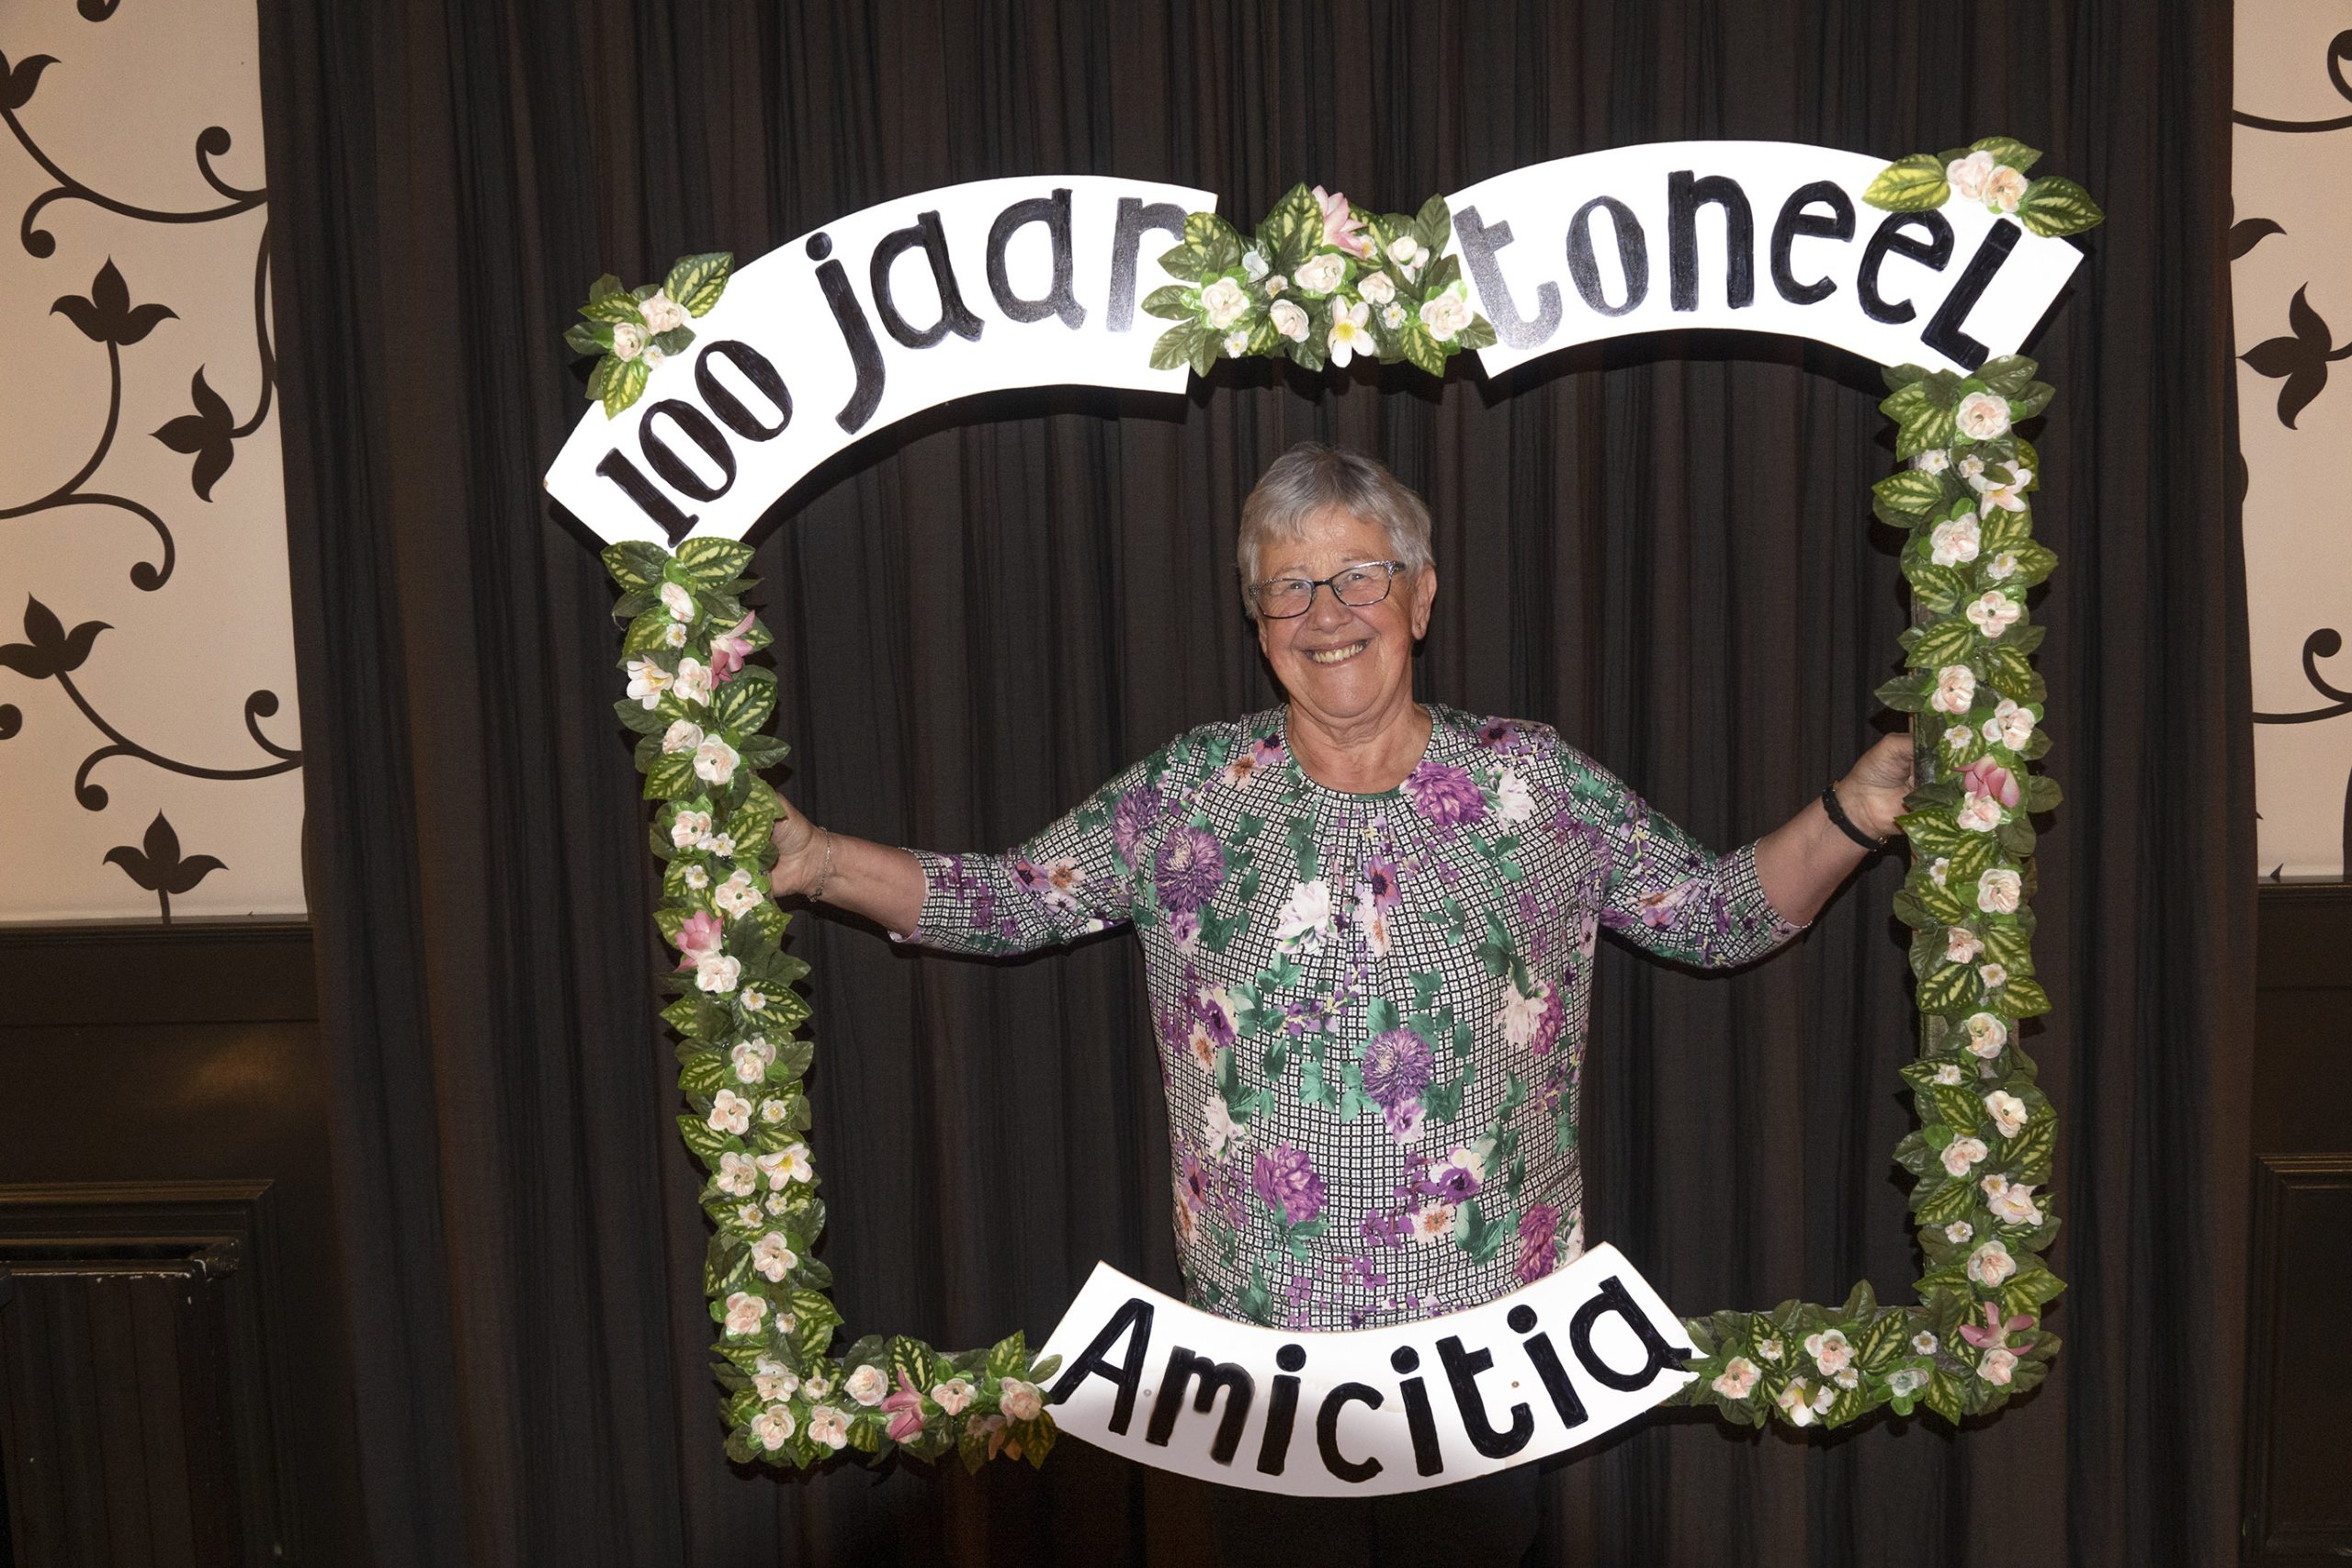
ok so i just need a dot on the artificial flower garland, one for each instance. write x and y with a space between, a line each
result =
1319 282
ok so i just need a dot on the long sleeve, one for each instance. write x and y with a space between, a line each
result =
1662 890
1069 881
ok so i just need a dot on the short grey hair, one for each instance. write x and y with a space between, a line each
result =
1311 478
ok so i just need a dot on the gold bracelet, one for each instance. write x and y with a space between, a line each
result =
817 894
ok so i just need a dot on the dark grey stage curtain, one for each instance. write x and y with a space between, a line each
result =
1662 547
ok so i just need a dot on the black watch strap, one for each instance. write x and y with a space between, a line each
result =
1830 804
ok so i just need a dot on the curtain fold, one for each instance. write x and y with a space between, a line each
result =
1662 546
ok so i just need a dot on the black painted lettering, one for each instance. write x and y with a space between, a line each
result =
925 234
1052 211
1461 1370
675 472
1135 221
1889 238
857 336
1632 255
1234 1383
1282 1411
1133 1319
1480 241
1795 223
1428 1458
650 499
1326 1431
1658 1355
754 367
1685 194
1944 334
1547 1361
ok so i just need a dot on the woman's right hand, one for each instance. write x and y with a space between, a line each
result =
799 853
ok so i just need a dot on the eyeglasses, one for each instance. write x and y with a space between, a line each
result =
1286 598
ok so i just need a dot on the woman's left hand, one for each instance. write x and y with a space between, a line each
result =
1872 790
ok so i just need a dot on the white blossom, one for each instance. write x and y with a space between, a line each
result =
745 1313
828 1426
773 1426
730 1112
1994 613
1225 302
1954 542
1991 1264
2008 1112
1955 689
715 761
1986 1034
1962 1154
684 735
1020 1401
1376 287
719 973
647 681
867 1385
1288 319
1982 416
693 681
1322 273
1445 316
774 1257
1999 891
679 600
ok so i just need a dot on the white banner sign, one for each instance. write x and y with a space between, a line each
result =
1764 236
874 317
1576 1354
1036 282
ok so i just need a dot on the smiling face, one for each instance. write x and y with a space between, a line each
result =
1349 667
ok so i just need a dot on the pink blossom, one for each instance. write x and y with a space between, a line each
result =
906 1411
699 939
1342 229
1986 776
726 651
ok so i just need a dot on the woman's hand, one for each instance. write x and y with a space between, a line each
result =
799 853
1872 790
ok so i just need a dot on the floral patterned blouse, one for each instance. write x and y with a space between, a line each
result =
1371 1009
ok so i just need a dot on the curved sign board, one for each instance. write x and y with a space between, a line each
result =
1035 281
1556 1363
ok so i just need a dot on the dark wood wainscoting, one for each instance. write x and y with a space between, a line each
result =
173 1387
2299 1449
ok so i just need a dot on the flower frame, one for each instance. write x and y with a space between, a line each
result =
1320 282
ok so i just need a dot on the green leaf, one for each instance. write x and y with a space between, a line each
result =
1938 587
635 565
2011 947
1904 693
2011 673
2052 206
712 563
2007 375
705 1141
2031 402
624 384
1178 345
2008 150
671 776
1914 184
1945 642
615 308
697 281
1952 986
2025 998
1912 491
1171 302
743 703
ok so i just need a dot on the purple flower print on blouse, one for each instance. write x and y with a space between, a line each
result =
1395 1067
1452 1182
1136 810
1537 1228
1190 869
1286 1180
1380 881
1446 796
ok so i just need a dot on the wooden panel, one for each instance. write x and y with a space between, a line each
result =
137 1416
2299 1446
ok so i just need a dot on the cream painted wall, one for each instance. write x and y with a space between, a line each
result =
2299 479
115 118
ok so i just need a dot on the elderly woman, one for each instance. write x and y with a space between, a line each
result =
1368 926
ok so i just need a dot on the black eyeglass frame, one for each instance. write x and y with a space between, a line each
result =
1395 569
